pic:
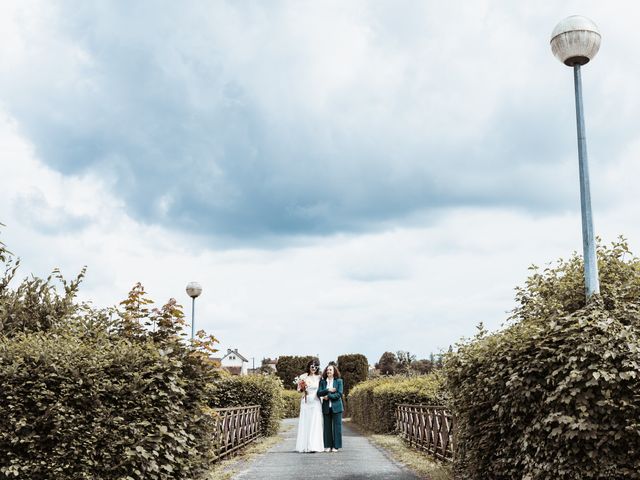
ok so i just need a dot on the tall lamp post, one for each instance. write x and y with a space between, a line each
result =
194 289
574 42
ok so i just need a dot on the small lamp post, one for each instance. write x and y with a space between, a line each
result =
194 289
575 41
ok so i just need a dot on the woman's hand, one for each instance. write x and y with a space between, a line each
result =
332 390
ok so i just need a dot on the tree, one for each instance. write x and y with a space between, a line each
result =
265 367
388 363
422 367
354 369
405 359
289 367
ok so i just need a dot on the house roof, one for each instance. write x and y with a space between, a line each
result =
235 352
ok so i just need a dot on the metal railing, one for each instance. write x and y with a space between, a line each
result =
235 427
427 428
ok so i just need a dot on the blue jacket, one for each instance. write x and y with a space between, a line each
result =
335 397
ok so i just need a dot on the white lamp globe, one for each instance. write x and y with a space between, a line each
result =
575 40
194 289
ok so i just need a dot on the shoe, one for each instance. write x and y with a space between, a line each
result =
327 450
334 450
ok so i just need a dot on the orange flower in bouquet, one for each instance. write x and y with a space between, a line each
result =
301 385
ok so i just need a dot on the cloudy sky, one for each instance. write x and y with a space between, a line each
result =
341 177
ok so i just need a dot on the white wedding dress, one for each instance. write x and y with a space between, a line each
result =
310 421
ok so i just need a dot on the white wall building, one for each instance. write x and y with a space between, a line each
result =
234 362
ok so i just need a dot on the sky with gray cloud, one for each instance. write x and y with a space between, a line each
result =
385 170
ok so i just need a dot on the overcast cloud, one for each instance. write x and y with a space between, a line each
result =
386 170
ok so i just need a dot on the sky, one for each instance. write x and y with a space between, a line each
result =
340 177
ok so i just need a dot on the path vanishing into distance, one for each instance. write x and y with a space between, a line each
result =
359 458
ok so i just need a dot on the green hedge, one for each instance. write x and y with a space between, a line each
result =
354 368
555 395
291 403
100 409
372 403
289 367
263 390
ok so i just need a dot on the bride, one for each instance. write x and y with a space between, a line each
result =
310 422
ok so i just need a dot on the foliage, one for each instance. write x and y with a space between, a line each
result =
88 393
422 366
240 390
35 305
388 363
99 408
354 368
266 367
554 395
373 403
289 367
405 361
291 400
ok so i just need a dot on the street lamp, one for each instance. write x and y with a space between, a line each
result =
575 41
194 289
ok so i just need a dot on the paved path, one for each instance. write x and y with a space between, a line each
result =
358 459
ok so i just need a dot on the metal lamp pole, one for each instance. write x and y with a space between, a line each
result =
575 41
193 290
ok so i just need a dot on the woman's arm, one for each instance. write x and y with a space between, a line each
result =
323 392
338 393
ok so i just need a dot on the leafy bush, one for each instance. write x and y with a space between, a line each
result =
263 390
94 409
354 369
291 400
35 305
554 395
91 394
372 403
289 367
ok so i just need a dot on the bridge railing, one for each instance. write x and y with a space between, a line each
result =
427 428
235 427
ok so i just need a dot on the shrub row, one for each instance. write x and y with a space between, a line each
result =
354 369
289 367
291 400
555 395
97 409
372 403
263 390
108 394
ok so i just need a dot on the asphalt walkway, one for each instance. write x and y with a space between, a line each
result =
358 459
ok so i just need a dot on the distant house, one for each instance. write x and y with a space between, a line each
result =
234 362
270 363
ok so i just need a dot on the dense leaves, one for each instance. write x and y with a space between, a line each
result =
291 400
354 369
555 394
96 410
263 390
289 367
372 404
388 363
91 394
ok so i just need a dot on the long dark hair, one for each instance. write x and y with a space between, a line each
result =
315 362
336 372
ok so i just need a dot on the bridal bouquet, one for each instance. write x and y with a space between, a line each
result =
301 385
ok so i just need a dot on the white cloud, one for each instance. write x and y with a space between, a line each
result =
389 94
